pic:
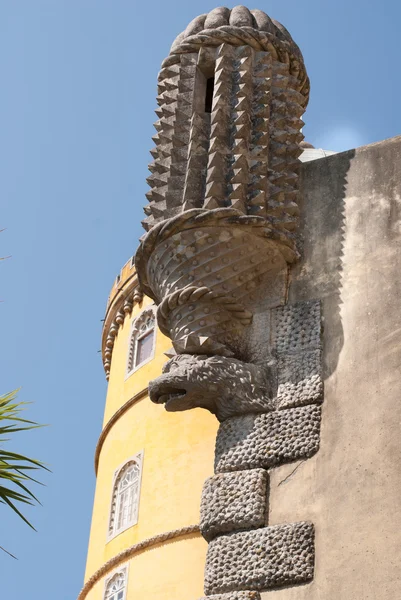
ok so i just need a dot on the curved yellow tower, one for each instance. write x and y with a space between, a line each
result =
221 219
150 465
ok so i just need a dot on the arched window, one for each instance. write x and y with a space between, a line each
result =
116 586
125 496
142 340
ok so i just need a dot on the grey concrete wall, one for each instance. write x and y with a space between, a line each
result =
351 489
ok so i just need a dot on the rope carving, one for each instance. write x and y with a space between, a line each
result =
282 50
129 552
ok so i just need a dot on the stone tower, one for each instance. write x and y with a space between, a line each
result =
274 286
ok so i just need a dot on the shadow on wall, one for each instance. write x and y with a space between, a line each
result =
318 275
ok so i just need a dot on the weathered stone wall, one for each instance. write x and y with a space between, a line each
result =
351 488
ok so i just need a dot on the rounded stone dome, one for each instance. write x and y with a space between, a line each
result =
239 16
241 26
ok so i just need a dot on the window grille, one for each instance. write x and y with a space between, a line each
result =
142 340
125 496
116 586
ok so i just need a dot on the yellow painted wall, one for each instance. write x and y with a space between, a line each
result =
178 456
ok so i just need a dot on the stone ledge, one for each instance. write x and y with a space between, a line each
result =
234 596
261 559
233 501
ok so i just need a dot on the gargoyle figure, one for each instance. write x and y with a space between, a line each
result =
224 386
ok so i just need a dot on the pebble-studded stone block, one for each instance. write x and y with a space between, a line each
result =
267 440
234 596
233 501
300 379
297 327
260 559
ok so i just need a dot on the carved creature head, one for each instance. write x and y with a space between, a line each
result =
224 386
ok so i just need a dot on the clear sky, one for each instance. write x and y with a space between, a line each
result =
78 81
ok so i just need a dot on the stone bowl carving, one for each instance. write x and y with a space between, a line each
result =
208 271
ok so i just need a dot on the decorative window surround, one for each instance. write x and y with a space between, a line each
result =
115 586
125 496
143 326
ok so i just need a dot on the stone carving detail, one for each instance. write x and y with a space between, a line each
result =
225 386
273 556
233 501
221 237
126 306
267 440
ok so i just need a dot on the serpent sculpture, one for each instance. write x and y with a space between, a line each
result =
222 219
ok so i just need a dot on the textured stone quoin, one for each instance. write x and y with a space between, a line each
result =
297 327
233 501
300 379
260 559
267 440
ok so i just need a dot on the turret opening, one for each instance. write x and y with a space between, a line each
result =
209 94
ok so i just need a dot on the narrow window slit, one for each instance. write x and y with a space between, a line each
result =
209 94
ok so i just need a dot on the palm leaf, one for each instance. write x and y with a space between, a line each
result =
16 469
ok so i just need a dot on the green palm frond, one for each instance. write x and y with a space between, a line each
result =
16 469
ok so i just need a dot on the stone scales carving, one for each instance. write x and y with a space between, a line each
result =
221 238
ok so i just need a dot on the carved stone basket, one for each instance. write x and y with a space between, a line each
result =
208 270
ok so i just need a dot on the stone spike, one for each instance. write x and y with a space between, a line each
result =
171 84
240 176
186 87
216 159
158 167
259 182
217 145
238 204
147 223
157 179
295 109
177 169
261 124
241 118
260 139
164 124
147 210
279 135
214 174
223 63
242 104
219 115
154 152
257 199
225 49
166 98
218 129
262 112
215 189
240 146
168 72
259 167
212 202
154 196
257 211
240 162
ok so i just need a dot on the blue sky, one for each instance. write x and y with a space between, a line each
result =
78 80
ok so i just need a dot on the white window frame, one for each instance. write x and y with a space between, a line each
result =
113 531
135 336
121 569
